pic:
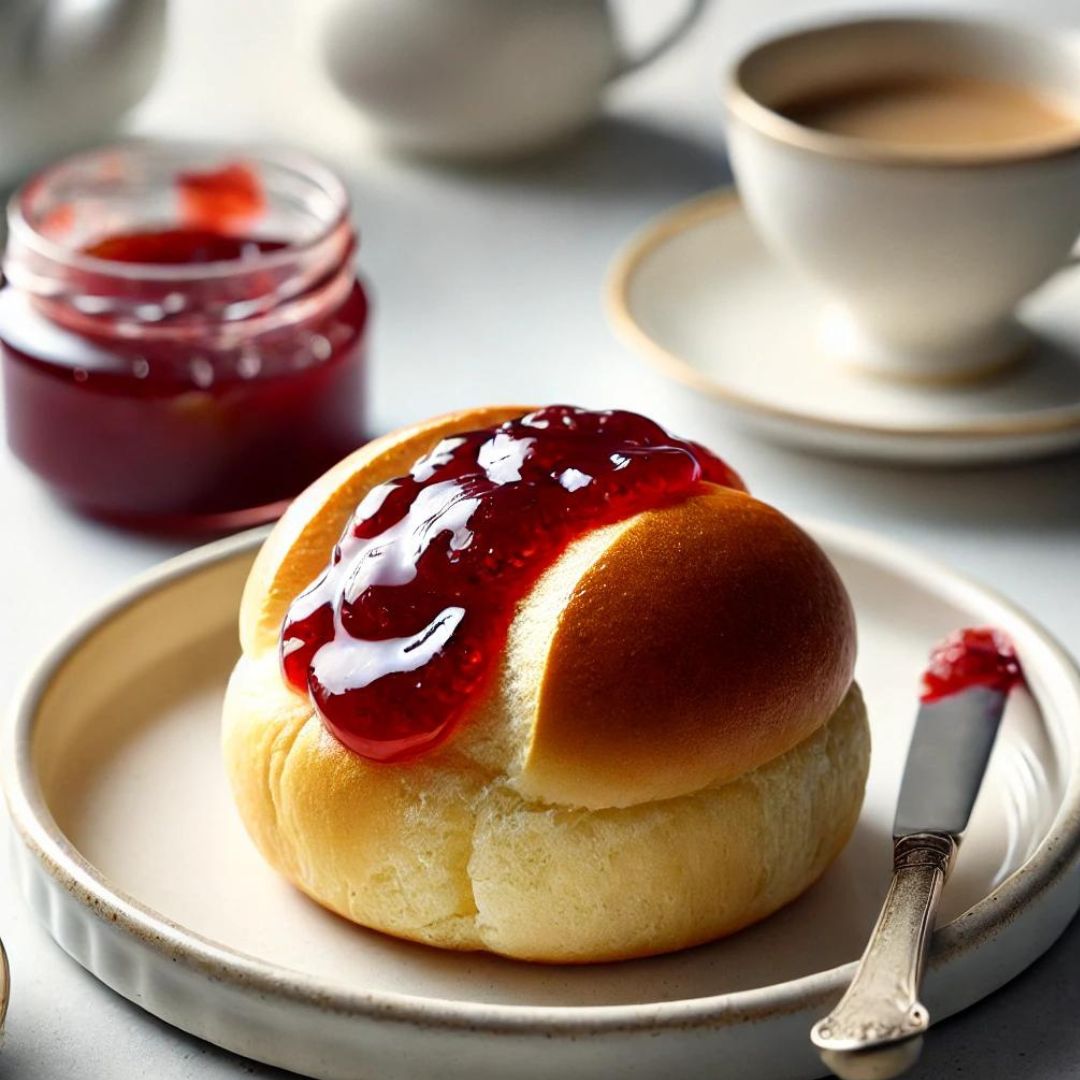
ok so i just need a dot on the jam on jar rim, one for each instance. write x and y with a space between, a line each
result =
221 199
408 621
974 656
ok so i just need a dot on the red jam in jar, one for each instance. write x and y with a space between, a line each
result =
977 656
409 619
183 343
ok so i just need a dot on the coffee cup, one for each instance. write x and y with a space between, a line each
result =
922 174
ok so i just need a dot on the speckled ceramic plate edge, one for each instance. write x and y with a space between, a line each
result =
272 1014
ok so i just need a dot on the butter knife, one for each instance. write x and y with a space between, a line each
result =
876 1030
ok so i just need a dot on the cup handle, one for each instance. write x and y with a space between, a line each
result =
674 34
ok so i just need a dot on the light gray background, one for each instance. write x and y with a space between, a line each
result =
488 287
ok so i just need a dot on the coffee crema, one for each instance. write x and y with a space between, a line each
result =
935 111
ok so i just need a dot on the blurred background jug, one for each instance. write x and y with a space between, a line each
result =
480 78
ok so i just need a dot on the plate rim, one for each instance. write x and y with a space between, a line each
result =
1056 854
700 209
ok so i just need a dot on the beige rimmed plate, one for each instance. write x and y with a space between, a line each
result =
130 852
699 295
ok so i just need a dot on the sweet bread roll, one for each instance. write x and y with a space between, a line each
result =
668 744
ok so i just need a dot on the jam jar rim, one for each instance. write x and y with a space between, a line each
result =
21 230
295 281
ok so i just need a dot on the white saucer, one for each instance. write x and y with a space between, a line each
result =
131 852
700 296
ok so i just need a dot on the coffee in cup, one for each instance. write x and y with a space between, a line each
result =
934 111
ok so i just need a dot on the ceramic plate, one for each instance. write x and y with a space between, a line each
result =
700 296
131 853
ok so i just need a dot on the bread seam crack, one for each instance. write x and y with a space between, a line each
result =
284 744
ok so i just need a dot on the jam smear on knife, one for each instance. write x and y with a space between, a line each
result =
978 656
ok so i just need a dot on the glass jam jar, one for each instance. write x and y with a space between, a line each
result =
182 333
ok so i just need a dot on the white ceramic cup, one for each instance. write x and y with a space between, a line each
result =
481 78
921 254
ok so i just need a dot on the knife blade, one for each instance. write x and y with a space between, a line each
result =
946 761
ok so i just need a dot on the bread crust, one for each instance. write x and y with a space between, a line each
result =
708 638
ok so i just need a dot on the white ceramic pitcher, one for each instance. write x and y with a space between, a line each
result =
480 78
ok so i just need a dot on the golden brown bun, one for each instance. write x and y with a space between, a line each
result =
701 641
672 748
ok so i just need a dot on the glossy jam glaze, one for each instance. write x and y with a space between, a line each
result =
187 376
979 656
408 621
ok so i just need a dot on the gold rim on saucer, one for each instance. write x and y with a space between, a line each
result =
713 204
5 988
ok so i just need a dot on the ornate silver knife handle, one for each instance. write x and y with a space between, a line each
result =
875 1032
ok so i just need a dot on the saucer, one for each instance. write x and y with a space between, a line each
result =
700 296
131 852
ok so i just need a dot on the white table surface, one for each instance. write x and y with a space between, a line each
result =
487 288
